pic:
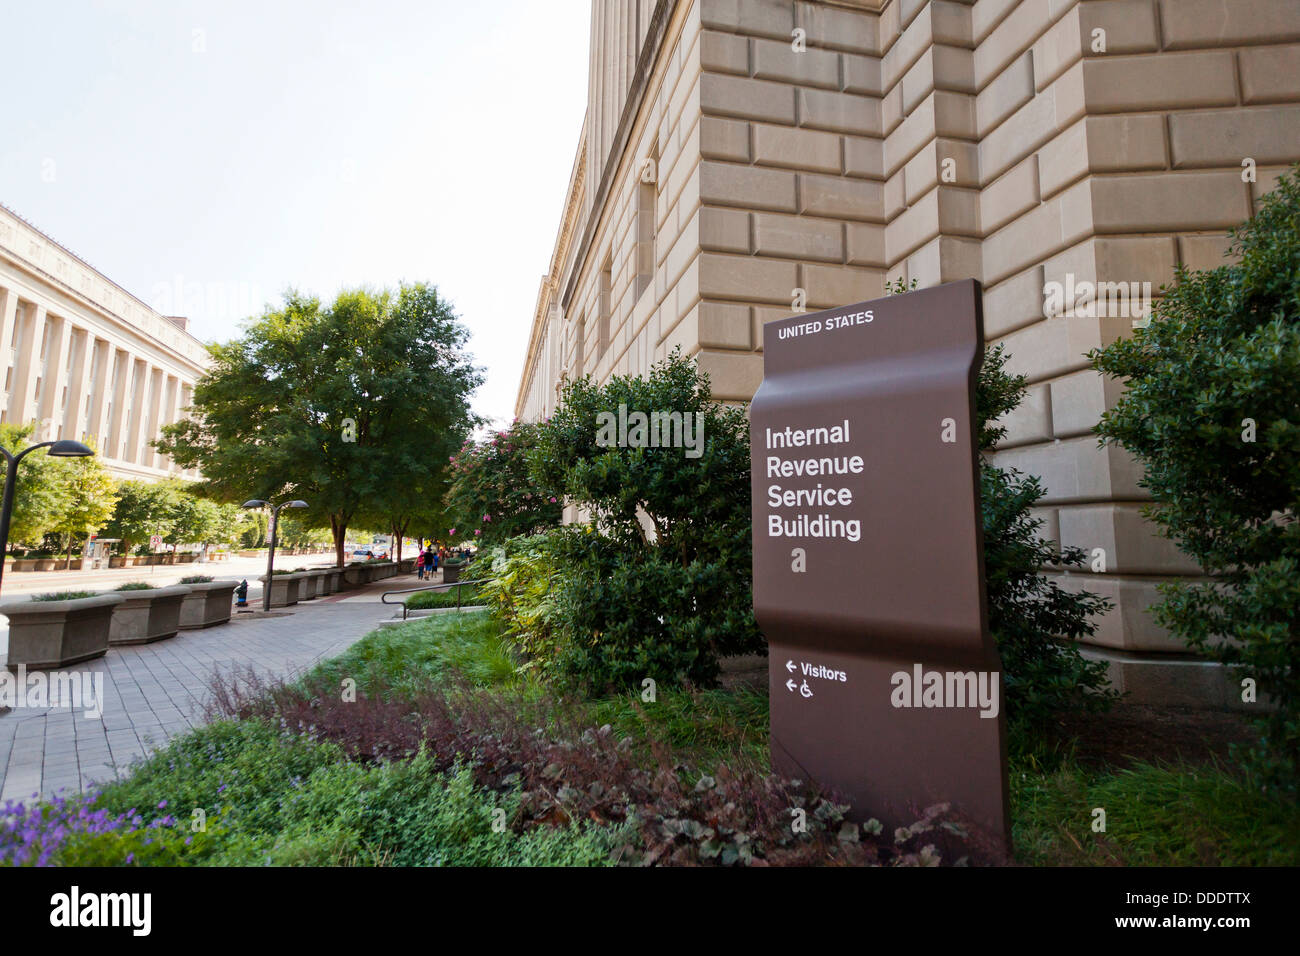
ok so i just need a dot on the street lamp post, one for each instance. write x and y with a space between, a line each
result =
65 448
270 554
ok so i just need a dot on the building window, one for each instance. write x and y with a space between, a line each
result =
647 192
580 333
605 306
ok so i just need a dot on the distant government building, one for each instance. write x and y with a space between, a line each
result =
84 359
739 154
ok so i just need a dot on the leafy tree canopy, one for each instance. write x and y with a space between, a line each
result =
347 406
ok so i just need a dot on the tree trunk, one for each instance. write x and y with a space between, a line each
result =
340 533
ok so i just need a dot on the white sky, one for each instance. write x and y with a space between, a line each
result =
315 144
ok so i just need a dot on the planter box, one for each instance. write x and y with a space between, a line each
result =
335 578
408 565
207 604
327 582
451 573
44 564
116 561
307 582
187 558
284 589
23 564
54 634
147 616
323 581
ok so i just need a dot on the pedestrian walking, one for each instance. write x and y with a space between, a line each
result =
419 565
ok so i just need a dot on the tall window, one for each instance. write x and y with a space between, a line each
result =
606 284
647 191
580 333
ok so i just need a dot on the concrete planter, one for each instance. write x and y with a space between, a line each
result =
408 565
335 578
53 634
284 589
44 564
326 583
23 564
450 573
116 561
307 585
207 604
147 616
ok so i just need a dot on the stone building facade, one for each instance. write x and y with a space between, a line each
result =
741 157
84 359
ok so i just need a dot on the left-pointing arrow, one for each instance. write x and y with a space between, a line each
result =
789 665
790 685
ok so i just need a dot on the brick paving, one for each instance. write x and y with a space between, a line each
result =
153 692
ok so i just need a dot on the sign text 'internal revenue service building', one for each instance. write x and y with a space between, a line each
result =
868 558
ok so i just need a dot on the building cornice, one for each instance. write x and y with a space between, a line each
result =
183 345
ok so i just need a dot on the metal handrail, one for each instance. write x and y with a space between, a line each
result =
432 587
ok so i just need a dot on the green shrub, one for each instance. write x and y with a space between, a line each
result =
63 595
492 496
197 579
516 586
659 584
1211 412
134 586
1034 620
623 613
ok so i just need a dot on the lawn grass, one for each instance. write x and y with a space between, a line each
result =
425 650
424 600
1155 815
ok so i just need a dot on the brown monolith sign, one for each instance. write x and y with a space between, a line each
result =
868 560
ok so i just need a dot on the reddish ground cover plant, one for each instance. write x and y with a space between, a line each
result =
566 772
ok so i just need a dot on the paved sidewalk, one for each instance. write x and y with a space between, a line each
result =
155 691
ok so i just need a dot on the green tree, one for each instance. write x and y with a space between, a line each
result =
342 406
91 498
493 496
252 528
143 509
1212 412
41 497
197 520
